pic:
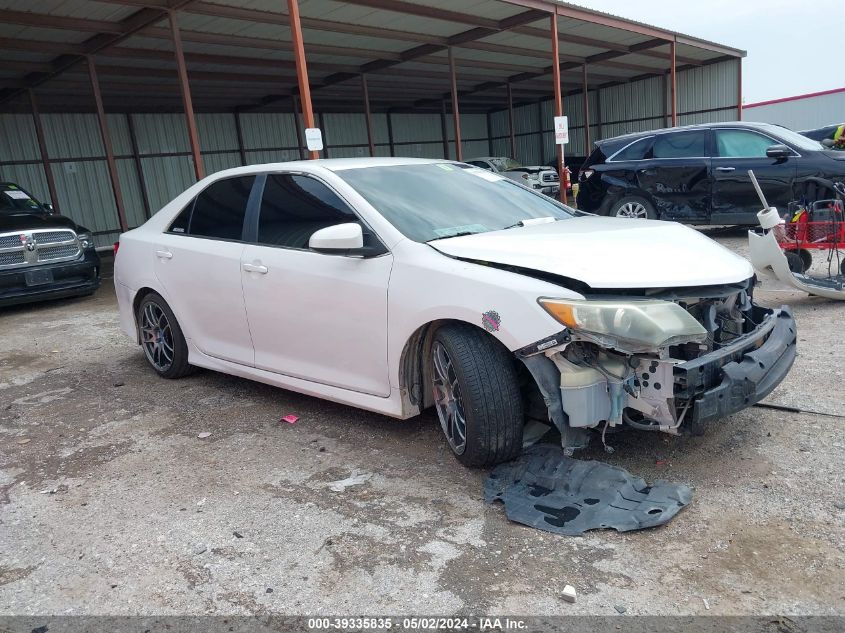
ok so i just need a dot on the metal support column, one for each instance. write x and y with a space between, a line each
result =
297 125
673 83
444 133
558 104
390 134
42 147
489 133
322 125
456 114
367 113
139 169
187 102
598 114
586 112
239 131
510 121
301 68
107 146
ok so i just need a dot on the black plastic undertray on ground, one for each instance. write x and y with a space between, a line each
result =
547 490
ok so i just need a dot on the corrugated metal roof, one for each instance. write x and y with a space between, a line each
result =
340 37
72 9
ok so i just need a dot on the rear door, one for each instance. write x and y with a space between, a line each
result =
676 174
198 261
735 151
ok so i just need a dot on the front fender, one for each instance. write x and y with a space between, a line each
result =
428 286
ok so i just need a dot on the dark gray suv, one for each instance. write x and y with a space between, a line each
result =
698 174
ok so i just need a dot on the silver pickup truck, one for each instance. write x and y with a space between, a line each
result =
539 177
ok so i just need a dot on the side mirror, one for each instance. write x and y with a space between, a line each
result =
828 142
49 207
778 151
340 239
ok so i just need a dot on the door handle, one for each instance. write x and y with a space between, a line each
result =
164 254
255 268
726 169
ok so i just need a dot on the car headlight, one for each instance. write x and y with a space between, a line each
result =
86 241
651 323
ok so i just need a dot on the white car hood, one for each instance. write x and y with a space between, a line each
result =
608 252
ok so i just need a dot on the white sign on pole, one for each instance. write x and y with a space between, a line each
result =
313 139
561 130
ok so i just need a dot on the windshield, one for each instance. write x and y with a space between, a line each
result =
796 140
436 200
505 164
14 199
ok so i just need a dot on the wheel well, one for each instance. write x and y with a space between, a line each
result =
634 192
414 364
136 302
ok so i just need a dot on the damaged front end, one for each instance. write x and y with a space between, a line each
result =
658 359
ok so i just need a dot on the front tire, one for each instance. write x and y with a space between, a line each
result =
162 340
476 395
633 207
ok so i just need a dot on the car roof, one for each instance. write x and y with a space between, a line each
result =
824 128
682 128
339 164
332 164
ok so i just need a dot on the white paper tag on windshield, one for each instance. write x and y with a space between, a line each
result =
486 175
16 195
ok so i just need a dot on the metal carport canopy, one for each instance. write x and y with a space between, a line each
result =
364 55
239 54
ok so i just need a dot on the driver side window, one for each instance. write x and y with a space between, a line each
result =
741 144
294 207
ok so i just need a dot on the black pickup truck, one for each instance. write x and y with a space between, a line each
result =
42 255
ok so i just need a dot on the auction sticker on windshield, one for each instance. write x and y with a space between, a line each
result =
486 175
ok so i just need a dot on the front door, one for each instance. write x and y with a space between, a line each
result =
198 261
314 316
736 151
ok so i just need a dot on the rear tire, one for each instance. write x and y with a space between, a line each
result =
476 395
162 340
633 207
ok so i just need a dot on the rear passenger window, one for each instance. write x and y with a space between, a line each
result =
637 150
294 207
183 220
219 210
680 145
741 144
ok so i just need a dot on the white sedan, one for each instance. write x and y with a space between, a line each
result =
396 284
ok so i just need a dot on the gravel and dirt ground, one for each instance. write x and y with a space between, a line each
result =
110 503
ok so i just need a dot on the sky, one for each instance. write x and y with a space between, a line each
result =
792 46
